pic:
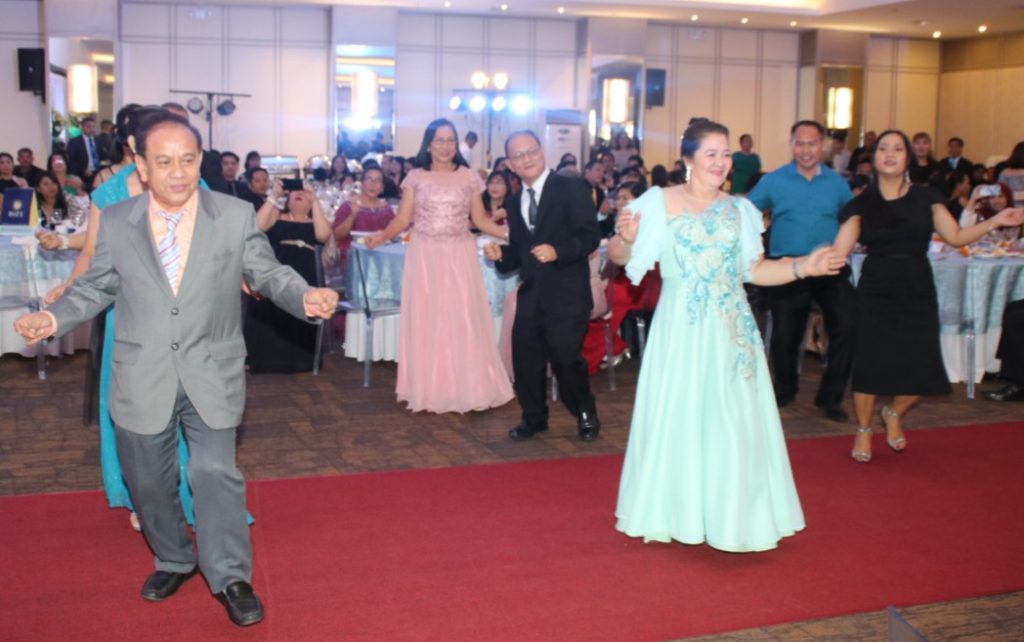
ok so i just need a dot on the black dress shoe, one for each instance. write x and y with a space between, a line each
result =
1010 392
243 606
589 425
524 430
162 584
836 413
783 400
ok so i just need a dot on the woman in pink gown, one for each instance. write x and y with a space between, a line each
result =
447 353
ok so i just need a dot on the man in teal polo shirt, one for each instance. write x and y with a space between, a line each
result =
805 198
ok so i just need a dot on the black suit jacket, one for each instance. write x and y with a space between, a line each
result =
964 166
566 220
78 157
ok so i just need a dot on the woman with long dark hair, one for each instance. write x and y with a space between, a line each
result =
923 168
448 356
1013 174
498 189
51 197
897 351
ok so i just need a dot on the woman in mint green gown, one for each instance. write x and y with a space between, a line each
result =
706 459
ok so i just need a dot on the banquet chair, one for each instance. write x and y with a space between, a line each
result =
32 302
369 312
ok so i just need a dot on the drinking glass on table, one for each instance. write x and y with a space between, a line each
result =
55 218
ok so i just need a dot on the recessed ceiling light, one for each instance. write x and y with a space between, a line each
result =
792 23
924 23
504 7
744 21
982 28
561 10
694 18
936 34
447 3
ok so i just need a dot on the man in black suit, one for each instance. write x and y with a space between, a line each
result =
84 158
552 231
956 162
1011 352
26 167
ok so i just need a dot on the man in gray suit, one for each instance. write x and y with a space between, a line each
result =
171 260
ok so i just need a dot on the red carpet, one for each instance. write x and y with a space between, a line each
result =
528 552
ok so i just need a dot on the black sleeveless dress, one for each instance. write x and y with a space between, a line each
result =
277 341
897 349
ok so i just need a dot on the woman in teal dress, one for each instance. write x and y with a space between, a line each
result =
706 459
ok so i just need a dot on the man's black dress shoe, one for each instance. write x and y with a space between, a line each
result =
589 425
836 413
783 400
162 584
524 430
1010 392
243 606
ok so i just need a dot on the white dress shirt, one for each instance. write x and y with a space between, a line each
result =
524 198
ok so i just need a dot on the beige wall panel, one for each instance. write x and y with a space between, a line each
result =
778 113
303 120
209 27
695 42
738 44
808 93
916 102
508 33
251 23
460 32
738 98
780 47
25 121
924 54
556 35
198 67
145 72
307 26
416 30
881 51
554 83
695 92
659 40
145 20
878 99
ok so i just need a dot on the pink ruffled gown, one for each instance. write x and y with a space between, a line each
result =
447 354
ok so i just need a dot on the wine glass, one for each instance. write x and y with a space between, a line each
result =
56 217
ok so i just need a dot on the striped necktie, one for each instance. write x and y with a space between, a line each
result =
170 253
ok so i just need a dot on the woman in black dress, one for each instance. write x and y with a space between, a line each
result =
897 351
275 340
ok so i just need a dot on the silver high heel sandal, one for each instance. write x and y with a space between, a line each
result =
900 443
861 456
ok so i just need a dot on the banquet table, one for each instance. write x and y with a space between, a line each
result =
383 268
972 293
51 268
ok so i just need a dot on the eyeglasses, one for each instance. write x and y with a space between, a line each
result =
523 155
373 179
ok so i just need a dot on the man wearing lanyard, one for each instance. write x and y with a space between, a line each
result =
805 198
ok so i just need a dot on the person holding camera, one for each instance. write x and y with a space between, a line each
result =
897 352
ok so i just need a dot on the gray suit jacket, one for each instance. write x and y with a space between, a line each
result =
194 337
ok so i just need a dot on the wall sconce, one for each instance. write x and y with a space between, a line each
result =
839 109
616 100
82 89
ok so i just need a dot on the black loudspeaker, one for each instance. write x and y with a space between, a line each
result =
31 76
655 95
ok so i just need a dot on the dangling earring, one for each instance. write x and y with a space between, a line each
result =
687 179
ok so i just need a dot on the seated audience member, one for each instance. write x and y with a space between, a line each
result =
365 212
339 168
621 296
276 341
7 176
840 154
960 188
253 160
858 183
986 201
923 168
496 191
675 177
501 164
659 176
865 166
1011 173
955 161
58 164
50 197
26 167
258 183
229 164
515 183
568 160
857 155
1011 353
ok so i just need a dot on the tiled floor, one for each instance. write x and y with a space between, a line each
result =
299 425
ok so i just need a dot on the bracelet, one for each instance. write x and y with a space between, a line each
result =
796 271
64 241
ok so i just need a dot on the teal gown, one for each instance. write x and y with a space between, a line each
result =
706 460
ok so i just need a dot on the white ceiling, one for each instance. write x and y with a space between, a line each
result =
954 18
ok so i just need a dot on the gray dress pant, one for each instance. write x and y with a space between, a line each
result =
149 464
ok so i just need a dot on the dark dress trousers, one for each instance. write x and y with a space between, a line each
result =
554 300
1011 343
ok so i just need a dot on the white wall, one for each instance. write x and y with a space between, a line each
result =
25 122
437 54
745 79
280 55
901 85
